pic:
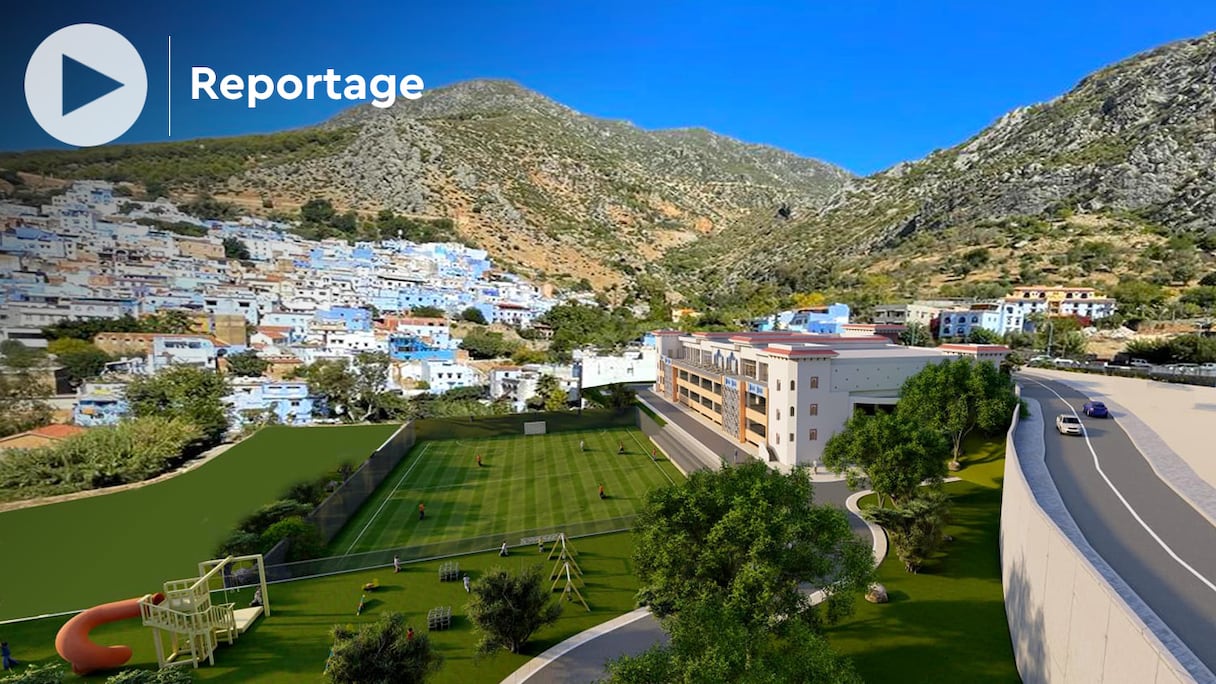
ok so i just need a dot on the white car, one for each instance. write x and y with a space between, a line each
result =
1068 424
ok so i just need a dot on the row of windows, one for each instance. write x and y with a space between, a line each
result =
794 383
813 410
812 435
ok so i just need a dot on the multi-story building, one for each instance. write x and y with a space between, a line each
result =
782 395
827 320
290 401
998 317
182 350
1085 302
925 312
636 364
446 375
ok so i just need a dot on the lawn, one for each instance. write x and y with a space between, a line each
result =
292 644
525 483
72 555
946 624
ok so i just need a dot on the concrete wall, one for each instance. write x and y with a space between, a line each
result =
1071 618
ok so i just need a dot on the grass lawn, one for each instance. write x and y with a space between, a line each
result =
525 483
947 623
76 554
292 644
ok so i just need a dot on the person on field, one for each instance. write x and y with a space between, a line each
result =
396 563
7 654
257 598
620 447
602 496
467 586
421 512
582 446
503 550
409 634
478 460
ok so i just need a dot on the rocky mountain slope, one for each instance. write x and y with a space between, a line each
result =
542 187
1131 150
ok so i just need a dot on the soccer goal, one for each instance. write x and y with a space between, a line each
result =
536 427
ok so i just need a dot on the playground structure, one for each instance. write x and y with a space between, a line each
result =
74 645
183 610
191 623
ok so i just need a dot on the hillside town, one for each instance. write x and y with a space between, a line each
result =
93 255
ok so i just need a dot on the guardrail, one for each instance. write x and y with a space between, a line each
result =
1158 373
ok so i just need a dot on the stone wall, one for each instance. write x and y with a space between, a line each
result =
1071 618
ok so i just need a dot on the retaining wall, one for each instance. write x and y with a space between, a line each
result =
1068 615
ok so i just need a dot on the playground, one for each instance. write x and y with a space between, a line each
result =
76 554
524 483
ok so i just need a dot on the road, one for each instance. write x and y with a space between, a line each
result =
1166 551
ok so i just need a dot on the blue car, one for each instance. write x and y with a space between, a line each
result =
1095 409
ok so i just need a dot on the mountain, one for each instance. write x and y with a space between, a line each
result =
1116 177
542 187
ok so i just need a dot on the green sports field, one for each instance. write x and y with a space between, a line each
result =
525 483
76 554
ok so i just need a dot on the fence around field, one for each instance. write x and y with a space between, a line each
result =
513 424
282 572
339 507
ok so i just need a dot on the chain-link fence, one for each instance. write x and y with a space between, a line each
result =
407 554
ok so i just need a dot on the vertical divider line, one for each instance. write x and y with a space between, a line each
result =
169 96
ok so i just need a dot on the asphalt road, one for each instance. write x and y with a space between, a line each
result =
1185 602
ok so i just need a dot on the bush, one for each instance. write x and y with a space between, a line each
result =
172 675
304 538
38 673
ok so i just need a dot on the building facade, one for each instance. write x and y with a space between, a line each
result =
781 395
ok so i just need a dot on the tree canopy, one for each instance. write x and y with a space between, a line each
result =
894 452
192 394
957 396
748 536
81 359
247 364
473 315
507 608
381 652
235 248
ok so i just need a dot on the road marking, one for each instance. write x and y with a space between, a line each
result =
1128 506
388 498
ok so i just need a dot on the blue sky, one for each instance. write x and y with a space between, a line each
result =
861 84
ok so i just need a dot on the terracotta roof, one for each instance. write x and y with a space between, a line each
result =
57 431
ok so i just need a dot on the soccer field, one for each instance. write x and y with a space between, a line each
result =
525 483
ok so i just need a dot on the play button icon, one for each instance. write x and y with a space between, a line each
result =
85 85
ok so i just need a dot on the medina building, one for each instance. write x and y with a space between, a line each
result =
781 395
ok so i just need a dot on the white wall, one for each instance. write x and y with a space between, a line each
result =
1068 623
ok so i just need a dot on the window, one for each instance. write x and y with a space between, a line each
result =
791 437
778 414
815 382
791 411
814 434
778 438
814 409
778 385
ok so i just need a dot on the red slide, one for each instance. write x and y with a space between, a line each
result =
73 641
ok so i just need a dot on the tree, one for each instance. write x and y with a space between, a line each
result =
748 536
1138 297
317 210
81 359
473 315
710 643
916 334
915 527
551 394
428 312
895 454
524 355
235 248
483 344
1203 297
370 378
381 652
193 394
22 393
247 364
1208 280
983 336
303 537
956 396
507 608
332 381
619 396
